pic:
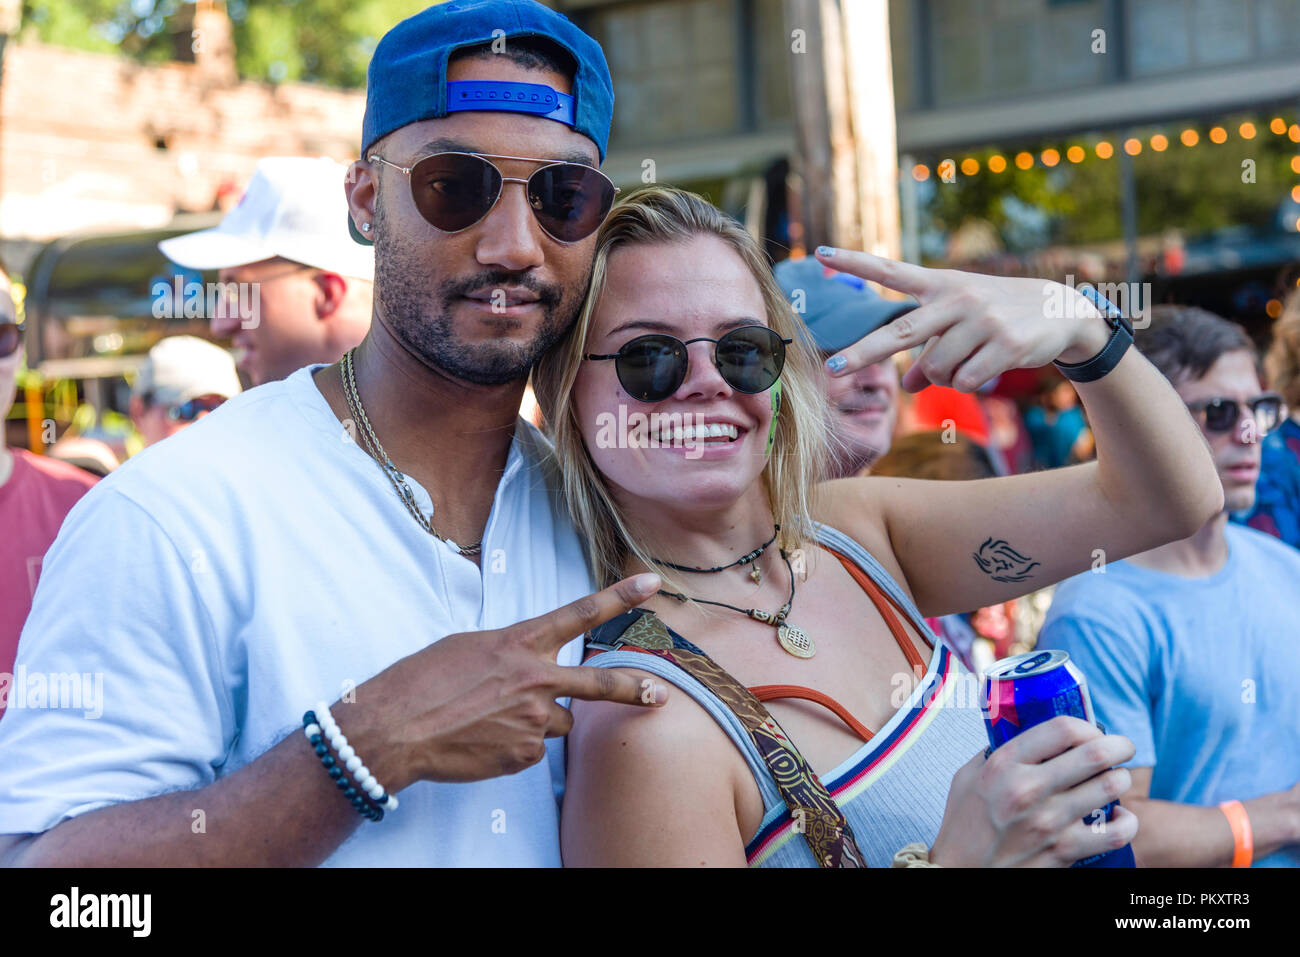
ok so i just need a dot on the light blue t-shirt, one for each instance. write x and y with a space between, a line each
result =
202 597
1203 674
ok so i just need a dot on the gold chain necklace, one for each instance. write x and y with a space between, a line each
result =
376 451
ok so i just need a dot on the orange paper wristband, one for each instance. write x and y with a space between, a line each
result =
1243 839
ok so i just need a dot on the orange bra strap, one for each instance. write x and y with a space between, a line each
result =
882 603
772 692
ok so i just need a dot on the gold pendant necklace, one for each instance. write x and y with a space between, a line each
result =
795 641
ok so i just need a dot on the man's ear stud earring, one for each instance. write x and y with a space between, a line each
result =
365 227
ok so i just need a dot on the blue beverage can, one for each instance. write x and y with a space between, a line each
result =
1024 690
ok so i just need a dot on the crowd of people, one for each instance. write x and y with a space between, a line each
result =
551 642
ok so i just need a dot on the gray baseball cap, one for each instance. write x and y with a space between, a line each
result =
837 308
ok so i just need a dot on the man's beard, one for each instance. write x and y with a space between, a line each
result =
422 321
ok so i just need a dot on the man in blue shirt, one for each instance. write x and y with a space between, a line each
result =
1189 649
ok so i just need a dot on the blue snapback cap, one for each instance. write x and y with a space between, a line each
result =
407 77
838 309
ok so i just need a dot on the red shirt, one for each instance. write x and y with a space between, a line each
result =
39 493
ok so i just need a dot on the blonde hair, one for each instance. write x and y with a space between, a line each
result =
1282 361
800 452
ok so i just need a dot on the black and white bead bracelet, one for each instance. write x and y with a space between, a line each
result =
323 732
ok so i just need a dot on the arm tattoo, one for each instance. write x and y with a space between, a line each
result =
1002 562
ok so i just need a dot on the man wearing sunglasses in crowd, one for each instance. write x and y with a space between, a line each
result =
1190 648
288 238
182 380
362 579
36 493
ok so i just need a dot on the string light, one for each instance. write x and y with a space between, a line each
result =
1104 149
1295 193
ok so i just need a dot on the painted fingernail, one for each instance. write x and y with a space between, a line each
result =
661 694
836 363
826 251
647 584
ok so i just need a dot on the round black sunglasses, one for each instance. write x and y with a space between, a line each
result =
652 367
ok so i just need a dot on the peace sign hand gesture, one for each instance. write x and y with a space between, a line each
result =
973 327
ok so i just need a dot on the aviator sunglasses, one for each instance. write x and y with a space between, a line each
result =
455 190
651 368
1222 415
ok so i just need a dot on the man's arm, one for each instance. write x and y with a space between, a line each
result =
469 707
1188 835
281 810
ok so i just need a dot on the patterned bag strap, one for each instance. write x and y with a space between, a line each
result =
815 812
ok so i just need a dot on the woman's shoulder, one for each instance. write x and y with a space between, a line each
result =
663 779
662 736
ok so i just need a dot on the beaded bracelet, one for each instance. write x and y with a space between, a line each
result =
319 727
365 780
315 735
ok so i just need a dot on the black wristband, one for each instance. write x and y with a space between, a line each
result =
1120 339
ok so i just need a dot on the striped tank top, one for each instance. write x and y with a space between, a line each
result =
893 790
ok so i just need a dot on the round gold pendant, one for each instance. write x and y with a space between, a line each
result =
795 641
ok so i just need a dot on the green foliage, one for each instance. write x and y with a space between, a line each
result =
312 41
983 196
